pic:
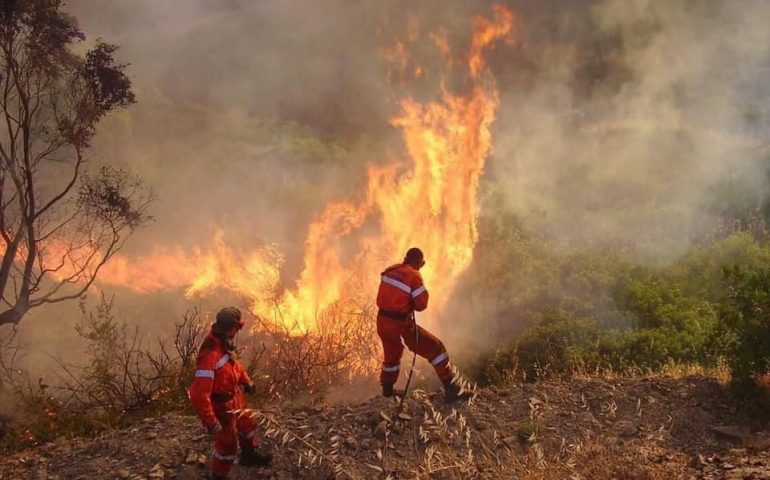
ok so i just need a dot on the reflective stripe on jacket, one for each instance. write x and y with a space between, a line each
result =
216 372
402 290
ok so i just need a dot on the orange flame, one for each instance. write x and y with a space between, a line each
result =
430 203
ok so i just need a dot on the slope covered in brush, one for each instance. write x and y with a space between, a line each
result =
632 428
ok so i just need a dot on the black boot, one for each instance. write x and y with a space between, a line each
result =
389 391
214 476
251 457
452 393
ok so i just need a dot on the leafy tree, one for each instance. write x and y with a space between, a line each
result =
58 225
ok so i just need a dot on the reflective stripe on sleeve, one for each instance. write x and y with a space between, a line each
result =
221 362
440 358
204 373
397 284
391 369
419 291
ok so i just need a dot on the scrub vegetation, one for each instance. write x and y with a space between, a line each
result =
606 310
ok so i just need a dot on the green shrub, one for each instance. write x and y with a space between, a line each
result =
596 309
559 344
746 317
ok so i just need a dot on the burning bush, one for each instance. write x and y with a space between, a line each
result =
336 349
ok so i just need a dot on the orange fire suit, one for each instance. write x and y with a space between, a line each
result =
401 293
216 391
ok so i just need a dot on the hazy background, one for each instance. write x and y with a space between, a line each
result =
618 123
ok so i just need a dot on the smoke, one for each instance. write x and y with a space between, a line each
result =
628 116
621 126
617 121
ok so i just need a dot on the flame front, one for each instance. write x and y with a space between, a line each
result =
429 201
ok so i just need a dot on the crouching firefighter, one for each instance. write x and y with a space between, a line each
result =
401 293
220 381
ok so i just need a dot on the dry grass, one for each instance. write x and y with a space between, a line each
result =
575 369
435 441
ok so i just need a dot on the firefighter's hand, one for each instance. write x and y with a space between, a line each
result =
249 388
214 429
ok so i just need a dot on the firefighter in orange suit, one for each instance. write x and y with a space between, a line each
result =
220 381
401 293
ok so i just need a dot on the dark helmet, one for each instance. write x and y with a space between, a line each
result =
414 255
227 318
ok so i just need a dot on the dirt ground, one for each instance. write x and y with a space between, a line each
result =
637 428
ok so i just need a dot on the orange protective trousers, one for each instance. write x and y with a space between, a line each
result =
424 344
236 429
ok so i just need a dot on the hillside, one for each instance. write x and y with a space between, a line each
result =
637 428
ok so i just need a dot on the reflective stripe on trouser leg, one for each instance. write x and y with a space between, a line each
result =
441 364
430 348
389 373
247 429
225 450
223 458
221 463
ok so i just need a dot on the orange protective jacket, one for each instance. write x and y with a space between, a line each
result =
219 374
401 292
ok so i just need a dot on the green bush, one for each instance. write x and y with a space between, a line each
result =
559 344
746 318
596 309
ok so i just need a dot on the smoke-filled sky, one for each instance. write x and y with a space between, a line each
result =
617 118
629 115
608 108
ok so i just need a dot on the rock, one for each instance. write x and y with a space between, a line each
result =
589 419
381 430
757 441
186 472
157 472
625 428
367 444
731 433
479 425
351 442
123 473
39 473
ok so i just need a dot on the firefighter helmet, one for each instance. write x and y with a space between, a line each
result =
227 318
414 255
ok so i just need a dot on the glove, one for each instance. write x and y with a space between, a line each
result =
214 429
249 388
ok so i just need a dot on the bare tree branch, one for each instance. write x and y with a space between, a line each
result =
52 101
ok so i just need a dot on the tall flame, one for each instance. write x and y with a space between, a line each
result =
429 201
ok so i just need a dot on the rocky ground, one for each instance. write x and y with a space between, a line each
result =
642 428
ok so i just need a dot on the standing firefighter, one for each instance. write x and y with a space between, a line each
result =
217 390
401 293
